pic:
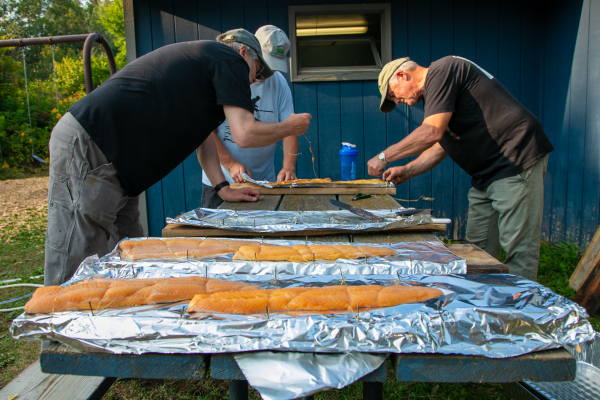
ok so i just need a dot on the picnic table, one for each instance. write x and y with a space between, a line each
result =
542 366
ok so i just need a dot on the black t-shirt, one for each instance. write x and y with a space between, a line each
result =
491 135
153 113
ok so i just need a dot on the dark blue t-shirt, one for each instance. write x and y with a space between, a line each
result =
155 112
491 135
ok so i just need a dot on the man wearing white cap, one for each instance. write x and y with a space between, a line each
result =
272 101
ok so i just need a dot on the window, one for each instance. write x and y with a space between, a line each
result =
339 42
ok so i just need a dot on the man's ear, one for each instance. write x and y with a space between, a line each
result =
402 75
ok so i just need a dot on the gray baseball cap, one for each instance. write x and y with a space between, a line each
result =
243 36
275 46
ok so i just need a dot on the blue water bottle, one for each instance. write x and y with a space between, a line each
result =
348 156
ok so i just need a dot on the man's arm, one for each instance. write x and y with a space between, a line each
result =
209 161
290 154
248 132
421 139
428 160
230 163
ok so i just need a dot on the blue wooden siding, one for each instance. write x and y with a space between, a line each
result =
546 53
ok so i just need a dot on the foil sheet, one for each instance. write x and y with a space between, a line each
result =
272 185
295 375
411 258
494 316
297 221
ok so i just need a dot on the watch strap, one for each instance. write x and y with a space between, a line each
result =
382 158
221 186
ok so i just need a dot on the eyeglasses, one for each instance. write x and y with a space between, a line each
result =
259 73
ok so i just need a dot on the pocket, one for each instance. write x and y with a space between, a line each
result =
524 175
61 218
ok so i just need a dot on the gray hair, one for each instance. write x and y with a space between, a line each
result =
406 66
237 46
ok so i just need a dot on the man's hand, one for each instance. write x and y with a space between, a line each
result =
236 170
397 175
286 175
376 167
298 124
238 195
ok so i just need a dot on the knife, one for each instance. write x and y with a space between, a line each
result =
357 211
406 213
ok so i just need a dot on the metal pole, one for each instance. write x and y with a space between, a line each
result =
87 38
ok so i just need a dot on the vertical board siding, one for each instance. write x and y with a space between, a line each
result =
465 45
442 44
591 175
524 44
578 111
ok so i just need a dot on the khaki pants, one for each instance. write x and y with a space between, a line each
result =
508 213
86 201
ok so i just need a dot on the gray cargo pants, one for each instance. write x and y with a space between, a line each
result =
86 201
509 213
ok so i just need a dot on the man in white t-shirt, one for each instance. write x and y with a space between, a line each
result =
272 101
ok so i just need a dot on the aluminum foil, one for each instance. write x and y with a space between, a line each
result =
294 375
272 185
297 221
488 315
411 258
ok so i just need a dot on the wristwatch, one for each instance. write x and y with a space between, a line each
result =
381 158
221 186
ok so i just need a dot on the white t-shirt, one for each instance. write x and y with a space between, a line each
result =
272 103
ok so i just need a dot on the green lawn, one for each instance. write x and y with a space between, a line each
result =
22 255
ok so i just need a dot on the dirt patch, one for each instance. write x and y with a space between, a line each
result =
18 196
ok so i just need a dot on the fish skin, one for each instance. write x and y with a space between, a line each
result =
315 300
110 293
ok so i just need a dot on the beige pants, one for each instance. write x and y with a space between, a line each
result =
86 201
508 213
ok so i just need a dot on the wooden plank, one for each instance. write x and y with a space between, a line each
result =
542 366
478 261
591 174
564 51
33 384
391 237
305 96
442 176
465 45
487 36
549 102
578 111
186 20
255 15
209 19
375 129
586 263
304 202
224 367
351 107
330 135
173 230
375 202
156 213
163 26
531 56
588 295
419 48
63 360
232 14
320 191
142 27
509 46
267 202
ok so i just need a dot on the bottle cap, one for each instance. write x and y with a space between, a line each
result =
353 146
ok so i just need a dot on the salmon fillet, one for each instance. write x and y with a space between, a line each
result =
134 250
110 293
303 253
330 298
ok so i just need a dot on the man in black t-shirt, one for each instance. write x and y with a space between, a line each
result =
136 127
471 117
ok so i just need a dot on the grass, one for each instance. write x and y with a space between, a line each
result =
22 255
31 171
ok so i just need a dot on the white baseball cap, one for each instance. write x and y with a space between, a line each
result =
275 46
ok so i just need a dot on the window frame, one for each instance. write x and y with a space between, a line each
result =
340 73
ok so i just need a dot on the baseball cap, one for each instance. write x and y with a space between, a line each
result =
275 45
385 75
243 36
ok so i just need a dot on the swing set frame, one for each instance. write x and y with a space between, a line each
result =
88 40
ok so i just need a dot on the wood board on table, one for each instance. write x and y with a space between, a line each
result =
354 189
